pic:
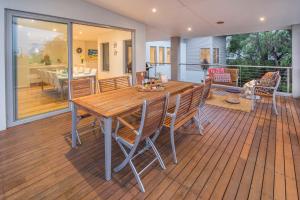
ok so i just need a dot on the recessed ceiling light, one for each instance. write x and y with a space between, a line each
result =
80 32
262 19
189 28
54 29
220 22
154 10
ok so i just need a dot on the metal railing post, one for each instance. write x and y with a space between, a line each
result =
288 80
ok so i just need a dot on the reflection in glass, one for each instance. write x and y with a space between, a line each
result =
40 59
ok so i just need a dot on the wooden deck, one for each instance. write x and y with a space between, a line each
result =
241 156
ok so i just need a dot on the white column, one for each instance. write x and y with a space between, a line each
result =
296 60
175 58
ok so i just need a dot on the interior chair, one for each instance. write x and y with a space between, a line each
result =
130 136
187 105
205 95
267 86
94 71
80 88
80 70
87 70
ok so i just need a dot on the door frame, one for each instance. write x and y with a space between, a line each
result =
10 67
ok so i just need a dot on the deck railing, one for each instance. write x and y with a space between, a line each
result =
197 73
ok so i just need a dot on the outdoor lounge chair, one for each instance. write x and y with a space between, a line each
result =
267 86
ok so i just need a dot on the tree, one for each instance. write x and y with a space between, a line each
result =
272 48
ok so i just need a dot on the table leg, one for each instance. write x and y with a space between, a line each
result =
74 125
107 139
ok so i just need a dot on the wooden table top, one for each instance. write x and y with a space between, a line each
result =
118 102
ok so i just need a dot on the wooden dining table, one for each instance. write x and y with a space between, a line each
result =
115 103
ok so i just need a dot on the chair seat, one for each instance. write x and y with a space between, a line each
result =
180 122
83 114
126 133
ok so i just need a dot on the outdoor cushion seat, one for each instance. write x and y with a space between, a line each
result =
224 76
268 80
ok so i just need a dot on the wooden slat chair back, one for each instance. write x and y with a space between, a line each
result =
196 98
81 88
110 84
130 136
185 100
122 82
206 91
106 85
205 95
187 105
155 114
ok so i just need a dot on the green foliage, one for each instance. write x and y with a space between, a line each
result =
271 48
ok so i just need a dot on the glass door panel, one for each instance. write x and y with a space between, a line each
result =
40 66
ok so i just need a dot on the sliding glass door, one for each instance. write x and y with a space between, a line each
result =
37 67
40 55
44 53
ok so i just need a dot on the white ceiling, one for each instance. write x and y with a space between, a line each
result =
173 17
88 33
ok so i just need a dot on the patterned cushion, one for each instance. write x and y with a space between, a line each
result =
269 79
212 71
222 78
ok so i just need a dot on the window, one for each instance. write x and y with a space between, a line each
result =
161 54
205 55
152 55
216 56
105 56
168 59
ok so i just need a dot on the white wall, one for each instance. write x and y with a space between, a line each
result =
75 9
194 46
116 62
296 60
84 45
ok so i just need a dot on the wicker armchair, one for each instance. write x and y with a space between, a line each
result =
267 86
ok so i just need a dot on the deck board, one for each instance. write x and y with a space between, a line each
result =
241 156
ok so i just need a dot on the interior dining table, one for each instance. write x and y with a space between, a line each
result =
111 104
